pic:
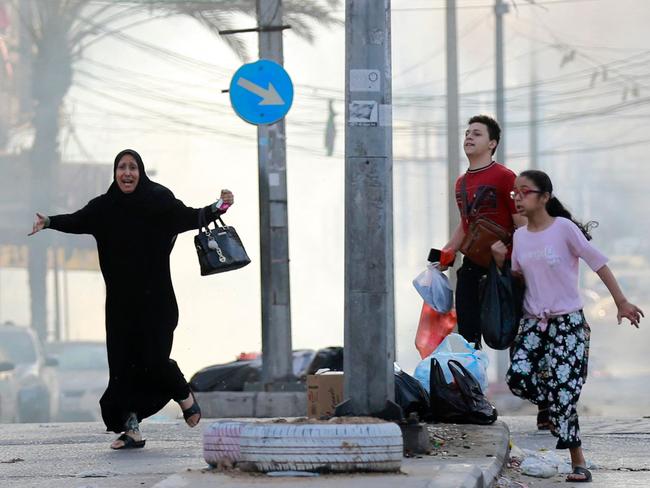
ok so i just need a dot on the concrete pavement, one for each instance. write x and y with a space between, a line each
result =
618 447
76 455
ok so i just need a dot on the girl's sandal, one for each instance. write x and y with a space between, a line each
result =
580 471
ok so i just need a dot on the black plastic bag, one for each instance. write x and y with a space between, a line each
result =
411 396
226 377
459 402
501 307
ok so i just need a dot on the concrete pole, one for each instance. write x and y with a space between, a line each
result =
369 297
277 360
453 125
500 9
534 110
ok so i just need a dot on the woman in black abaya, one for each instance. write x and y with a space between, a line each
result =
135 224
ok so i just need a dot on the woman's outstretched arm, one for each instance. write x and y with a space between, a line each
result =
80 222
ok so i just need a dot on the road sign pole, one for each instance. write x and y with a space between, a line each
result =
274 233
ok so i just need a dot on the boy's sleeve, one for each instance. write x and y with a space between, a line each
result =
507 186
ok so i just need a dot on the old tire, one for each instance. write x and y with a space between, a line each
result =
221 443
321 447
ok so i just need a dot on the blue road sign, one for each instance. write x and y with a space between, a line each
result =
261 92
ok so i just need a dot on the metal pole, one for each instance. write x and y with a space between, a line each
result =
369 298
56 336
453 152
65 336
277 361
500 9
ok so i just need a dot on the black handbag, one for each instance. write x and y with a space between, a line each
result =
501 306
460 402
219 249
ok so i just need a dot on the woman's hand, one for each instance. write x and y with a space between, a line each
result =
39 224
499 253
227 197
629 311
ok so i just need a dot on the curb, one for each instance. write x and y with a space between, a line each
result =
486 477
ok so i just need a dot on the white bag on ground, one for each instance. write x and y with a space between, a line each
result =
433 287
454 346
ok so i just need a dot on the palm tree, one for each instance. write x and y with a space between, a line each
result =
59 30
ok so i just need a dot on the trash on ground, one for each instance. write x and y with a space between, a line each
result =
543 463
536 467
505 482
95 474
12 461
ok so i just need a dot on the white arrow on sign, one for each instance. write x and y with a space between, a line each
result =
269 95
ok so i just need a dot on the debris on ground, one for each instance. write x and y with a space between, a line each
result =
504 482
543 463
537 467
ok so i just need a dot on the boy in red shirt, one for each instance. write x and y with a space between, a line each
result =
484 193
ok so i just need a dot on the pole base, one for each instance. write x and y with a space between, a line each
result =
391 411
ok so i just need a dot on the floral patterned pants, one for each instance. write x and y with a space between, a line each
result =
549 367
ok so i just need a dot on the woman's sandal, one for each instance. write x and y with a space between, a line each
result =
582 471
543 419
129 442
193 410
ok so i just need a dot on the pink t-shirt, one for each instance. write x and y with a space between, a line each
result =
548 259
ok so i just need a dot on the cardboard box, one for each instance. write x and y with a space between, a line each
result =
324 393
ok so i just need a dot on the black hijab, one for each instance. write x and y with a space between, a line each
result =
148 197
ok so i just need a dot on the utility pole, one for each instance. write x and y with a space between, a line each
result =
453 153
500 9
534 110
277 362
369 297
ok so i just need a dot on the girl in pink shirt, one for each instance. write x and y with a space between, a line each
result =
550 354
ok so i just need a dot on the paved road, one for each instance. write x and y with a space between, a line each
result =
76 455
618 447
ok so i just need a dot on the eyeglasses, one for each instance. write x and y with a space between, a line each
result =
522 192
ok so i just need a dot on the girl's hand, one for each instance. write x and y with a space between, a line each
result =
629 311
39 224
499 253
227 197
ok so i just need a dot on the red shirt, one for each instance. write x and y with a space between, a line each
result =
492 185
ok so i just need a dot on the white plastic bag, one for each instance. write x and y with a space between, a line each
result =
433 287
538 468
454 346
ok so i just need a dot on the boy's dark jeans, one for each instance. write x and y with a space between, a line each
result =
468 302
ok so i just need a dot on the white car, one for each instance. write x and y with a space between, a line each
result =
82 376
38 394
8 391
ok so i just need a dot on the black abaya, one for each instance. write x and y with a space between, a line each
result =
135 234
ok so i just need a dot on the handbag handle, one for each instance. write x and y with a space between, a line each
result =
203 221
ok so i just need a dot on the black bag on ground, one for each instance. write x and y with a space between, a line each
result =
501 307
411 396
219 249
459 402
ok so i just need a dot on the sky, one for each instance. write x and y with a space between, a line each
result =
166 102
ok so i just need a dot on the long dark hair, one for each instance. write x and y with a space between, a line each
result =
554 207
